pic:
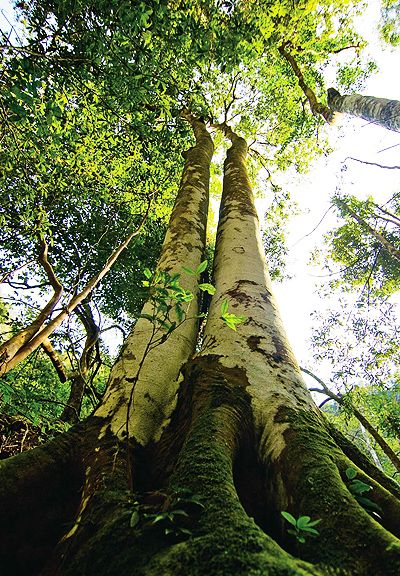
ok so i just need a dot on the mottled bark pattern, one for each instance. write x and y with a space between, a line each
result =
149 379
380 111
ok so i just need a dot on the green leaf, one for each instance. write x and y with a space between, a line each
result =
314 522
189 271
180 513
311 530
147 273
201 267
368 504
160 518
134 519
351 473
185 531
147 317
301 539
291 519
358 487
179 312
231 320
302 521
207 288
224 307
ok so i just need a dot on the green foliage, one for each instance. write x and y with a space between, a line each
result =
390 21
230 319
362 258
91 133
167 298
358 340
302 527
275 231
174 514
358 488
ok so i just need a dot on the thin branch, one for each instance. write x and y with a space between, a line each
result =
314 229
372 163
327 391
355 46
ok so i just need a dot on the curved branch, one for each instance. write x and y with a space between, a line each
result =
10 349
316 106
45 332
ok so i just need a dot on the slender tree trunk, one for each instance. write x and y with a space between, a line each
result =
381 111
386 449
154 398
79 378
10 349
36 338
388 246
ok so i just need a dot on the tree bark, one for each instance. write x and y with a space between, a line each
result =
218 452
380 111
154 398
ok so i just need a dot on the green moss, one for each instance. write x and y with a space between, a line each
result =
308 467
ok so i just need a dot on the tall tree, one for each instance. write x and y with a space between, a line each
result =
197 486
381 111
193 464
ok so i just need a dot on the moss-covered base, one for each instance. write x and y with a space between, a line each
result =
311 473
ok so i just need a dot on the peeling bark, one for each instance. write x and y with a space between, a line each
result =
380 111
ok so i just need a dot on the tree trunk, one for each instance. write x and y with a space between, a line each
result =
22 348
79 378
388 246
380 111
10 349
216 454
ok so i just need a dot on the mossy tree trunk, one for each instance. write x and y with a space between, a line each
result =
380 111
212 470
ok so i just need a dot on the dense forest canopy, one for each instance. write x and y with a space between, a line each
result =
199 449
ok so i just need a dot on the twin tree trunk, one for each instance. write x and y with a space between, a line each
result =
186 466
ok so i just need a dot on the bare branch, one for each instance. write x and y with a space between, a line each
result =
372 163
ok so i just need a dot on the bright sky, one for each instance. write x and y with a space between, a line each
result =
350 137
